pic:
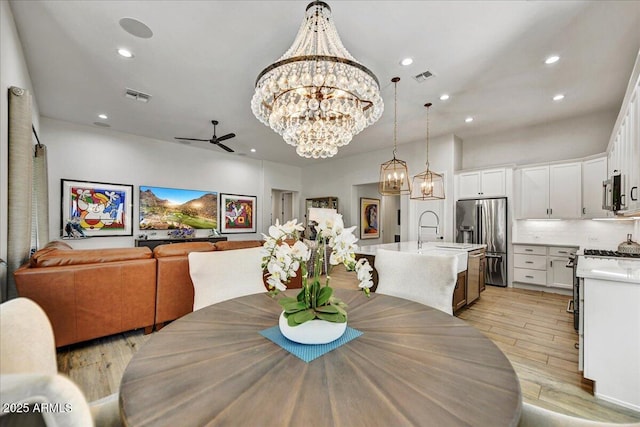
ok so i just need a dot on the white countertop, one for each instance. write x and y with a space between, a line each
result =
458 250
618 270
560 245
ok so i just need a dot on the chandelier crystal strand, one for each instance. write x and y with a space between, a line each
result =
428 185
317 96
394 175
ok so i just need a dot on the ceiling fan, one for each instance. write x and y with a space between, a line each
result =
214 139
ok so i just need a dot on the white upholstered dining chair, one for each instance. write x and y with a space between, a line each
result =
29 374
535 416
221 275
429 280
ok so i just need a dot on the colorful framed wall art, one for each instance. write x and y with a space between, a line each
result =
96 209
369 213
237 214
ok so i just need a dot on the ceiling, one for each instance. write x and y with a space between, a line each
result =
204 56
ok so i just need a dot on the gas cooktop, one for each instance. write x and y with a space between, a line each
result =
600 253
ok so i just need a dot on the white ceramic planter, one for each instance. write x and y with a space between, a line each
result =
315 331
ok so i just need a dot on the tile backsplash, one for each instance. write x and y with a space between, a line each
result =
584 233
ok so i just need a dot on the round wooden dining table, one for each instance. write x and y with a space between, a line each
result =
412 366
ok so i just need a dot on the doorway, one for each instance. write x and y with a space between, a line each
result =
390 219
282 205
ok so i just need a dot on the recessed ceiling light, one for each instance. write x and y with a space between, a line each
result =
125 53
552 59
253 150
444 97
406 61
103 116
558 97
468 119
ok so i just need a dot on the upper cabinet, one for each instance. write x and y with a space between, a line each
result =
551 191
594 171
481 183
623 153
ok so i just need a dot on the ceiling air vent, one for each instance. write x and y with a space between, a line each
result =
423 76
137 95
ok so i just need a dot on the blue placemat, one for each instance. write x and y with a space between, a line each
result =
308 352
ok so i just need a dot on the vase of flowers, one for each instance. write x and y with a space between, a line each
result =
316 315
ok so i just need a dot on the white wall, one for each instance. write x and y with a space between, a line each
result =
13 72
102 155
560 140
341 178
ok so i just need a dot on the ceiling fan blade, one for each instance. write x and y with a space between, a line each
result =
224 137
224 147
190 139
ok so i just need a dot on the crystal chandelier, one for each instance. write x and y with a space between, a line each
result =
428 185
317 96
394 175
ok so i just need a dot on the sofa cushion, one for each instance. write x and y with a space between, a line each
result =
49 247
57 257
182 249
237 244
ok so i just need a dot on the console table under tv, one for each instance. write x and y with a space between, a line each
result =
152 243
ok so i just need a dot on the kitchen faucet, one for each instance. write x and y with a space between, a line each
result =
420 226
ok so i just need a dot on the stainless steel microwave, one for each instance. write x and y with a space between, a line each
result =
612 197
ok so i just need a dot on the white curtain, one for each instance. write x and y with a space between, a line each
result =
20 180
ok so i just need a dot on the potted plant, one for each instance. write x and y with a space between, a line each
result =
316 314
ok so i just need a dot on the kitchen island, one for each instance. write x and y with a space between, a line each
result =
470 257
610 328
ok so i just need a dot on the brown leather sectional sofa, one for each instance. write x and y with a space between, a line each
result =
91 293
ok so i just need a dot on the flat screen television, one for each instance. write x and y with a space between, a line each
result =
173 208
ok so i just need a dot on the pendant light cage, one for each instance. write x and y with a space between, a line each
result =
394 174
428 185
394 178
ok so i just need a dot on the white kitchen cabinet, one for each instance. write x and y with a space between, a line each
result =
558 274
534 192
594 171
623 152
551 191
543 265
482 183
611 340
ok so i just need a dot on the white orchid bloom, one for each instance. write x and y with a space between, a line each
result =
274 282
300 251
290 227
274 231
363 271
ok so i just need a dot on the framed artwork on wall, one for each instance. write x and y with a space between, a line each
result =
238 213
369 210
96 209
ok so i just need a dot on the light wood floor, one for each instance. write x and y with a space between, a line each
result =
531 327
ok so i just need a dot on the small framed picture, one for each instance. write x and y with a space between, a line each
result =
369 212
238 214
96 209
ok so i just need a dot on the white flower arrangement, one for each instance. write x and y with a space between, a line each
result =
282 262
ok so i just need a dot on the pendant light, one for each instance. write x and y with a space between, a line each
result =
394 175
428 185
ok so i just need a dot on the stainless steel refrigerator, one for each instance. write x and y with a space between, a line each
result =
484 221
